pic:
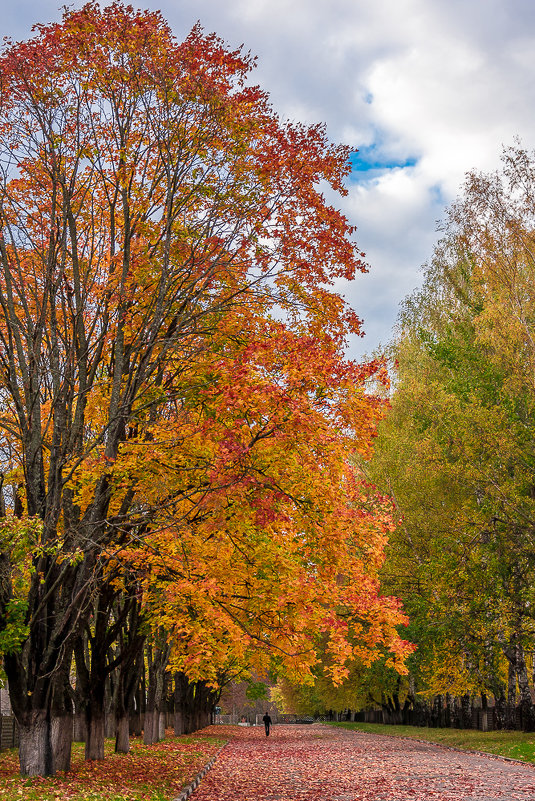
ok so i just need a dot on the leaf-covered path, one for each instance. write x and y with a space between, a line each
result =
298 763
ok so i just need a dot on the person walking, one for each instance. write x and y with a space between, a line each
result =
267 723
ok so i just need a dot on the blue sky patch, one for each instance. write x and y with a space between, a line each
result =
370 158
437 195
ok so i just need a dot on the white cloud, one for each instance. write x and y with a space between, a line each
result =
445 82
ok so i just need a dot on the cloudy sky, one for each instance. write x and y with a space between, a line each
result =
426 89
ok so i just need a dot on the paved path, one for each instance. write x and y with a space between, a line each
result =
308 763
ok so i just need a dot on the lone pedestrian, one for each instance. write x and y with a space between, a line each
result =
267 723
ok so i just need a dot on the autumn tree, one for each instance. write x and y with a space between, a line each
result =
456 452
156 217
281 562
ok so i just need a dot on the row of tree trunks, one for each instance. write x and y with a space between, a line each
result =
518 677
524 691
157 659
447 711
111 698
193 702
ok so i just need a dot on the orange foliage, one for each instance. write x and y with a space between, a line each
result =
171 350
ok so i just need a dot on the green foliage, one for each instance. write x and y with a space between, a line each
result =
456 451
256 690
16 628
377 684
19 546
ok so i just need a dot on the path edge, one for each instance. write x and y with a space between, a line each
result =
192 786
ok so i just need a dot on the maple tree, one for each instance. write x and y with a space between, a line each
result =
282 561
171 369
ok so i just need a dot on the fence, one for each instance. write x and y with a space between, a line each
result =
9 733
255 719
477 718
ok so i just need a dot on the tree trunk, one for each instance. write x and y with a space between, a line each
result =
484 713
136 704
178 718
61 731
95 721
466 712
150 708
96 660
436 711
448 712
44 718
110 703
128 675
94 745
80 728
61 722
80 725
35 748
157 659
148 727
122 725
122 736
510 713
500 711
178 722
183 704
526 704
194 702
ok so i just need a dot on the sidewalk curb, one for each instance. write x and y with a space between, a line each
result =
489 754
190 788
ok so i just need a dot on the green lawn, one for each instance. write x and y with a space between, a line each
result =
149 773
513 744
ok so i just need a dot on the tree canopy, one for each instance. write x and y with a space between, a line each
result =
456 451
177 416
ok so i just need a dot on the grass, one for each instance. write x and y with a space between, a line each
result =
512 744
148 773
